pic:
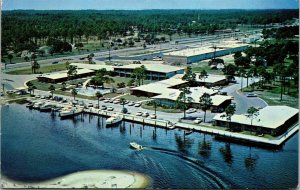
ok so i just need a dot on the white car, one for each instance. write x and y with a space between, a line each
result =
131 104
153 116
145 114
106 101
110 109
90 104
116 102
198 120
137 105
103 107
251 95
191 110
42 97
139 113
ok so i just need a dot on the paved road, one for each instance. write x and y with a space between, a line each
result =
242 101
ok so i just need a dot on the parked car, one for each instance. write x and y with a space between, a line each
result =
116 101
153 116
198 120
96 106
139 113
137 105
223 93
90 104
251 95
191 110
106 100
101 99
233 105
54 62
145 114
131 104
111 101
110 109
103 107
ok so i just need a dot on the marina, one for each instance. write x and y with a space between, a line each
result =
87 142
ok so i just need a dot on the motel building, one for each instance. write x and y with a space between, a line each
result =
63 76
166 92
273 120
153 71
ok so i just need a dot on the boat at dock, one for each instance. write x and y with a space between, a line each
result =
136 146
188 132
114 119
46 107
37 105
69 112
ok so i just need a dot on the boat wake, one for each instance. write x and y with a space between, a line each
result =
210 175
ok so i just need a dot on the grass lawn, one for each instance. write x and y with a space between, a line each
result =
272 96
134 98
43 69
111 95
158 108
126 80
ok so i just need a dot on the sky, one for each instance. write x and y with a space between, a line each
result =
147 4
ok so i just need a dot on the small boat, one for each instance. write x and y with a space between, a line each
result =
30 105
188 132
46 107
115 118
37 105
171 125
136 146
68 112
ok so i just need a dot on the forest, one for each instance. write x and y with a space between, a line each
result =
30 29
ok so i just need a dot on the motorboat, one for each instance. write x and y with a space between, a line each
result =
188 132
37 105
68 112
46 107
136 146
115 118
171 125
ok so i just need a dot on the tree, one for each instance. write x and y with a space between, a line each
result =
63 85
52 89
26 58
241 73
10 57
98 95
237 55
229 112
123 101
78 46
35 66
203 75
252 113
205 103
33 88
189 76
74 92
72 71
90 58
139 74
183 99
230 71
33 57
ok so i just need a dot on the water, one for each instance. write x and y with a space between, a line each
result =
38 146
89 91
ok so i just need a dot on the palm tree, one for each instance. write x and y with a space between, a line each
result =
183 100
252 113
203 75
33 88
241 73
30 89
74 92
35 66
52 89
123 100
33 57
205 103
72 71
229 112
10 57
98 95
64 85
26 58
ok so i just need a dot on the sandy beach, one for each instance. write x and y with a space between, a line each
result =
86 179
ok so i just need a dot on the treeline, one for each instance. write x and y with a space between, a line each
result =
281 33
27 30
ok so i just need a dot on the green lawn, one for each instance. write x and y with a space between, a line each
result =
43 69
158 108
204 66
134 98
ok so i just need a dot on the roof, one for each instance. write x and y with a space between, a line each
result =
269 117
206 49
219 99
94 67
160 86
64 74
155 67
210 78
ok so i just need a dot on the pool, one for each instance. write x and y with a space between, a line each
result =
89 91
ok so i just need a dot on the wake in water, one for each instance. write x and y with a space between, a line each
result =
198 165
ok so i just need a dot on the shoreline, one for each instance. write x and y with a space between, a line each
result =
86 179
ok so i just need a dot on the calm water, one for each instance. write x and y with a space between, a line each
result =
38 146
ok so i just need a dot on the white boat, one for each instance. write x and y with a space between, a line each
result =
37 105
136 146
67 112
115 118
46 107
